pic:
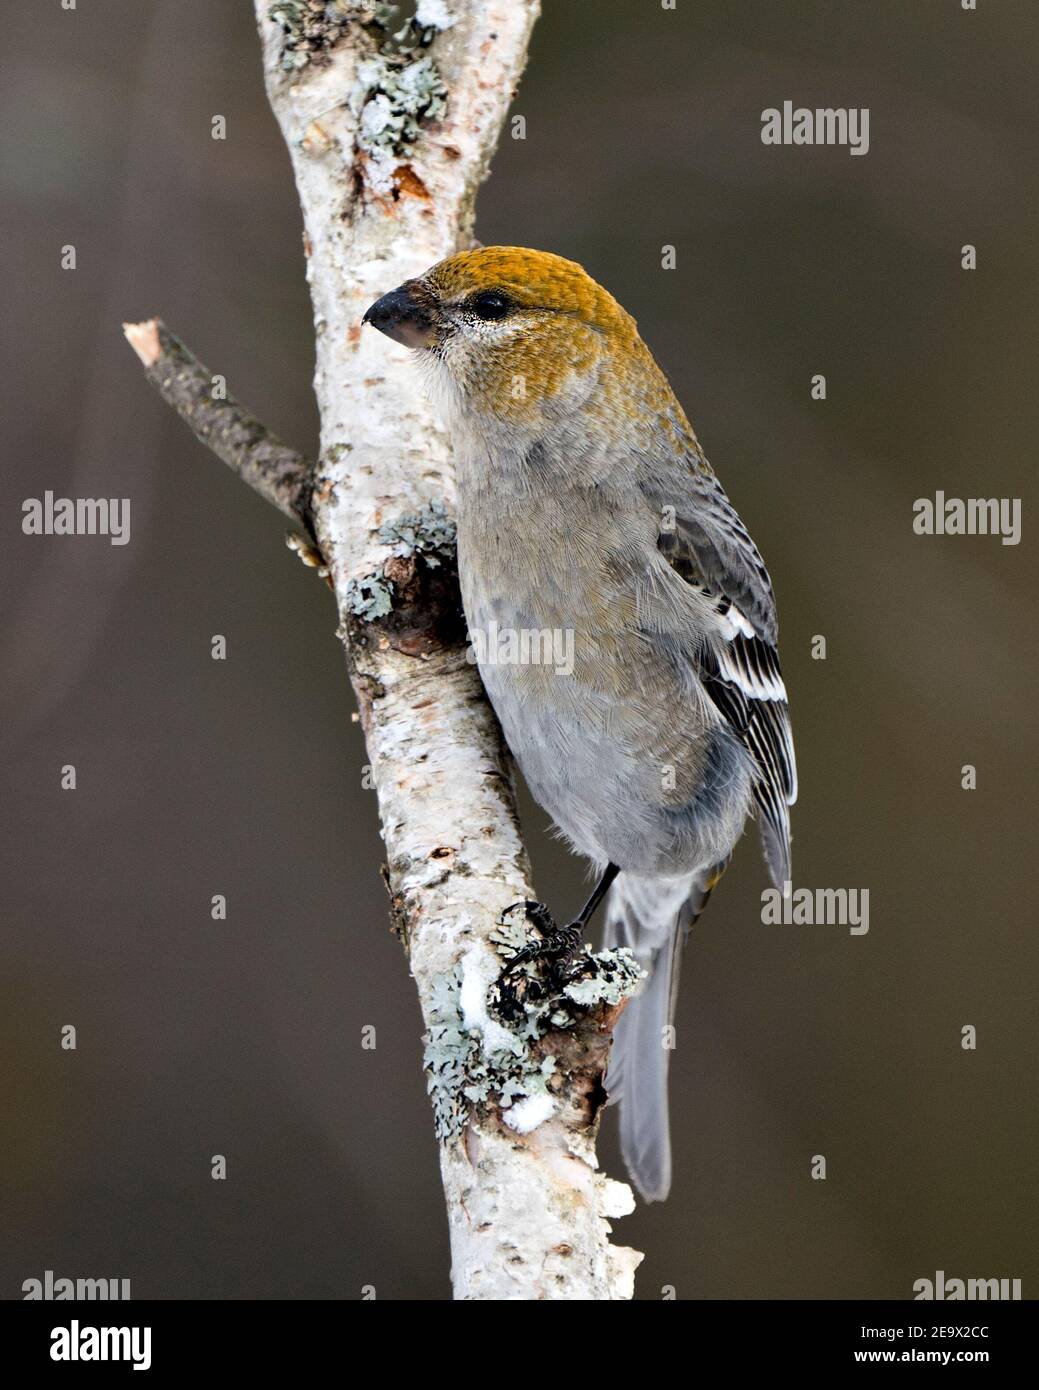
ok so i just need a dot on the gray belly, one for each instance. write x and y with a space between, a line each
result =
619 746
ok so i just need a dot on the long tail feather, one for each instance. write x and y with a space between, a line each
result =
652 916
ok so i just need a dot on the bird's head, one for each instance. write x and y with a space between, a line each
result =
514 335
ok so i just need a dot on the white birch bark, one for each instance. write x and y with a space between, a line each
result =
387 162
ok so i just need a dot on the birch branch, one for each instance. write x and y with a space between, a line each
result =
278 473
389 139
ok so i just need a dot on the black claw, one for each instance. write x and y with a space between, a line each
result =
563 970
558 947
537 913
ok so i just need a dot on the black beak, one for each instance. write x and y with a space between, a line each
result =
405 316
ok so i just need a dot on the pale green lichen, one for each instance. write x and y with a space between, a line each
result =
369 598
310 28
429 533
464 1072
497 1063
398 87
400 92
609 984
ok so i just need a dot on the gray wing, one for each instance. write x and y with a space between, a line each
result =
704 540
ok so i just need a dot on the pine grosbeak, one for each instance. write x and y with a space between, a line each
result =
586 508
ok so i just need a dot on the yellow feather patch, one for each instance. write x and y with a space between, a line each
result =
576 333
534 280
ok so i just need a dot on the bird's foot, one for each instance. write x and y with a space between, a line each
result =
558 947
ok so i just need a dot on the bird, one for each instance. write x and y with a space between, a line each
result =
587 510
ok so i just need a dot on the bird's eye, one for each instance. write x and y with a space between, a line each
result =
489 305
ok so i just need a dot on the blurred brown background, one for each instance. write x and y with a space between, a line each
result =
243 777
